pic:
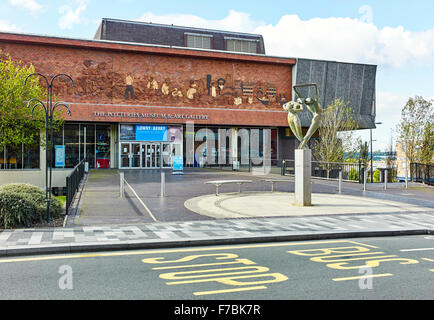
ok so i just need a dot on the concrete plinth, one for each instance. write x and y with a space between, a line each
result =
303 185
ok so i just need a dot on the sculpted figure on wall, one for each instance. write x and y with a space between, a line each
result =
192 90
165 88
129 91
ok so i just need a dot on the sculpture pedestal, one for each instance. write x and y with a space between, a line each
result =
303 184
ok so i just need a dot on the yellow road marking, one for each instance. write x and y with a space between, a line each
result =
151 251
191 274
228 290
278 277
431 260
236 261
363 277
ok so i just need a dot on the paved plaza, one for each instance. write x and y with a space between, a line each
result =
261 204
190 213
188 198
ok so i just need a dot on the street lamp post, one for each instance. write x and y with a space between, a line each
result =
49 109
372 166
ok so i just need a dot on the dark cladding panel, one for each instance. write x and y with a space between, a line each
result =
169 35
354 83
318 74
303 74
356 87
343 81
134 32
368 91
330 88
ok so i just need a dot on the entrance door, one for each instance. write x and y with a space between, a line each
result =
125 155
141 155
151 155
130 155
135 155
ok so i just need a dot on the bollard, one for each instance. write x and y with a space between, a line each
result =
340 182
385 179
122 185
163 184
364 180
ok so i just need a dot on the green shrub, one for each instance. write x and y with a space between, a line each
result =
353 175
35 195
17 210
377 175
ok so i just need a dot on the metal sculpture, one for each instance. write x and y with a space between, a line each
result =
295 107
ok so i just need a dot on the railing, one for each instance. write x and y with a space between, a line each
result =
73 182
329 170
236 164
422 173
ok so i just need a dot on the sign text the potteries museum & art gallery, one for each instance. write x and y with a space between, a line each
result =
150 115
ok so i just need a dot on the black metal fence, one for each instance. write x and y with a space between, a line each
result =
329 170
73 182
422 173
237 164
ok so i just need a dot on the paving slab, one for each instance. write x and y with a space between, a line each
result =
273 204
212 232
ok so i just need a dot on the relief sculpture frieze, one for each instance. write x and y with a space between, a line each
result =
100 80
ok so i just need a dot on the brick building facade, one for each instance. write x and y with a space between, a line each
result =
123 92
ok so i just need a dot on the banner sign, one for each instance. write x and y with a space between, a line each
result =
177 163
151 133
130 132
60 156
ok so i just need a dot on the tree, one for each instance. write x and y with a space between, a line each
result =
390 154
336 133
363 151
427 145
415 129
16 124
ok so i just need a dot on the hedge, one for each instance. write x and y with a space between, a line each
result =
23 204
376 175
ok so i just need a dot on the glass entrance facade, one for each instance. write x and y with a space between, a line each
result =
149 146
88 141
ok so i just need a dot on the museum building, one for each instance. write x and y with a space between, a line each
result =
144 93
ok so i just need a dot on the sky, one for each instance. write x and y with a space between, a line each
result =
395 35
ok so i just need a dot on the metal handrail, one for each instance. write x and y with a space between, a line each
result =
73 182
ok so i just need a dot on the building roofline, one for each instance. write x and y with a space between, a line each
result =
183 27
141 47
334 61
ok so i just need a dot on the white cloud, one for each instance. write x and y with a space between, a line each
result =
235 21
31 5
341 39
347 39
70 16
389 106
4 26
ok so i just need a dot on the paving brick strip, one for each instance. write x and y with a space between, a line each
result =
210 232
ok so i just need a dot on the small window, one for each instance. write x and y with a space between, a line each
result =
20 156
241 45
198 41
